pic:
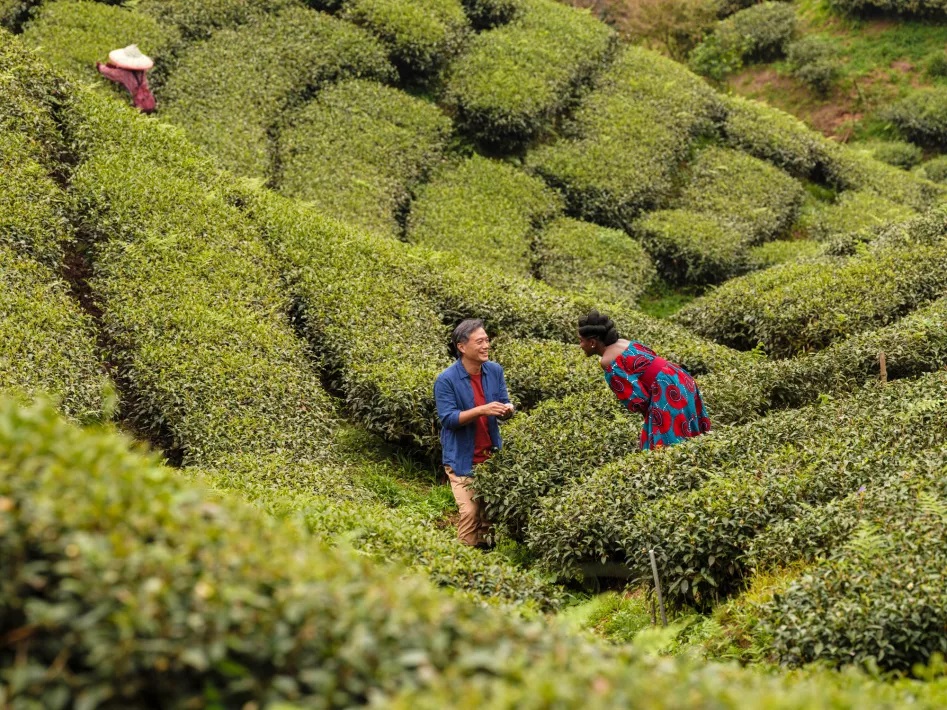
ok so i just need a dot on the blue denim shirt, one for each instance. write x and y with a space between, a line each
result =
453 394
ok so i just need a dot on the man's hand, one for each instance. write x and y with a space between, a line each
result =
495 409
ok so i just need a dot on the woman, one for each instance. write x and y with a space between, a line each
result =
470 396
645 383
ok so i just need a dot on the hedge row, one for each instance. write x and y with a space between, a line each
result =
230 606
537 369
781 139
198 20
805 306
844 169
692 247
33 219
730 202
229 91
543 450
421 35
485 209
934 169
48 342
822 530
921 117
760 201
485 14
512 82
600 263
379 342
627 138
758 33
770 134
880 597
72 35
700 505
328 497
857 214
910 8
912 346
190 296
358 149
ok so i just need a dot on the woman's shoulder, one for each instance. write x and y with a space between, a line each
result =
613 352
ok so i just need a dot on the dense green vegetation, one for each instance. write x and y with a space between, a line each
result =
503 159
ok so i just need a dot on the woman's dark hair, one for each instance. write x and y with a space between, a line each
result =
597 325
462 334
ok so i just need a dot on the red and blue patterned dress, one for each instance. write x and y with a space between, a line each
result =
660 390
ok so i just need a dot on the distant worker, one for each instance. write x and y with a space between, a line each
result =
644 383
128 66
470 396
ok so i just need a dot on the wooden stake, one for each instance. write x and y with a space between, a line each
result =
884 368
657 586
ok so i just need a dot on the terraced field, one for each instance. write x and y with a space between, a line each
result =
259 281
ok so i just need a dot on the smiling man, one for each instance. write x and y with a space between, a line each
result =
470 396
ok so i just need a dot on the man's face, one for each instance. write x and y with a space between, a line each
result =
477 347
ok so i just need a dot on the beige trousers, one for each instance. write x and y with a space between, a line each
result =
472 526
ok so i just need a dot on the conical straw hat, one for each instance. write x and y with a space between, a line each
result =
130 57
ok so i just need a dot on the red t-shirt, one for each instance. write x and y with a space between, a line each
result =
482 441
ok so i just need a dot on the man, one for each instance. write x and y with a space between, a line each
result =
470 396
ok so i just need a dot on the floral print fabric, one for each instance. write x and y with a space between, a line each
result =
671 405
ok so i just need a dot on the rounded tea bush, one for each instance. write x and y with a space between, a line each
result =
921 116
358 149
814 60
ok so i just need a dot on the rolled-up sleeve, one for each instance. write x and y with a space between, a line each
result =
504 395
448 408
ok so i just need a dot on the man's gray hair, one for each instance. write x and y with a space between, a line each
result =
462 333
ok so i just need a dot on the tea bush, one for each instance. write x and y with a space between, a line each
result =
33 218
597 262
513 81
692 247
703 535
335 508
585 520
192 303
700 504
551 445
536 369
485 14
421 35
822 530
729 202
232 113
805 306
845 169
230 604
900 154
28 98
880 597
760 201
921 117
379 342
908 8
485 209
934 169
758 33
627 138
358 149
912 346
814 60
48 342
199 20
780 251
857 215
769 134
72 35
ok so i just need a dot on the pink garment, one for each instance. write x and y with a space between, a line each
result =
134 81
